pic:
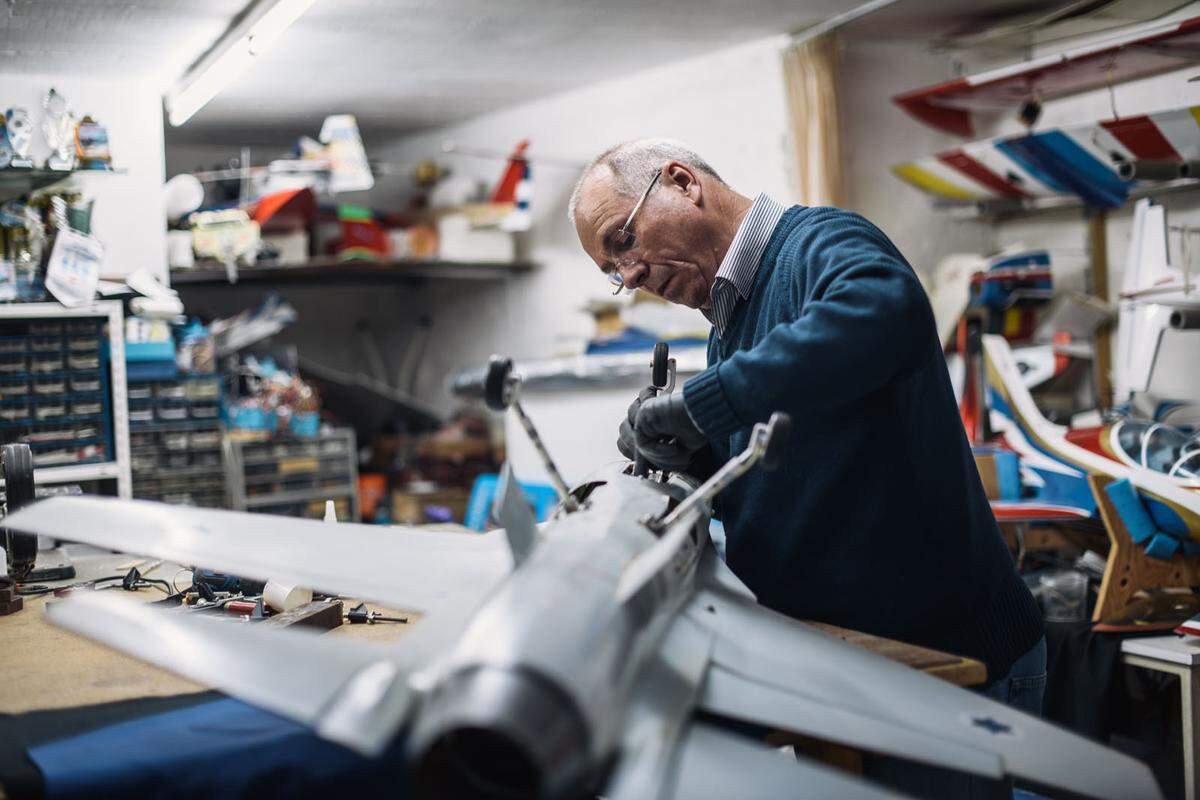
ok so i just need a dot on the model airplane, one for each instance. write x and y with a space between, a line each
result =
1097 162
1155 296
1161 463
588 656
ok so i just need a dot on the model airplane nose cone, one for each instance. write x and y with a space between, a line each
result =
491 732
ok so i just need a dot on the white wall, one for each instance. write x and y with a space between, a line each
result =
878 134
128 215
728 105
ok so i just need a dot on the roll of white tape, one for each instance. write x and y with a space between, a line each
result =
282 597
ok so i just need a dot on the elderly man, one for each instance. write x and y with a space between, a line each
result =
876 518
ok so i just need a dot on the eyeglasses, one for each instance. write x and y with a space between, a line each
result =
624 238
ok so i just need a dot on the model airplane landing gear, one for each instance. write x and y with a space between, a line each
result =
501 390
16 467
662 377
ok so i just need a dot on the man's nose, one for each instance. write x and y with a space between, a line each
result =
633 273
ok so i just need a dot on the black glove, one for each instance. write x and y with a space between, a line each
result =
665 433
626 441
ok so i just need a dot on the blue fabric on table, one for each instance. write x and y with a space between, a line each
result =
224 748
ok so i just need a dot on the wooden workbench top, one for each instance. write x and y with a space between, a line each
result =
47 667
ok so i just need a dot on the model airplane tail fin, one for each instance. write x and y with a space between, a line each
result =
1153 267
353 693
512 510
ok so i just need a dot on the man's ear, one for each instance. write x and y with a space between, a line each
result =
682 178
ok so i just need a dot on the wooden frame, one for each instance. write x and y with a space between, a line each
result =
1129 569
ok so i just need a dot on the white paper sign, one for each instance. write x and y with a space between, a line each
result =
74 269
8 281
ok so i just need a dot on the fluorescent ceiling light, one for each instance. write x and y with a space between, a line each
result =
205 85
232 55
274 22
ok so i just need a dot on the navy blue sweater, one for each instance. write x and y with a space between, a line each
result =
876 518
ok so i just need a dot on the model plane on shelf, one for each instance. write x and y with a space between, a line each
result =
1160 463
592 654
1156 296
1097 162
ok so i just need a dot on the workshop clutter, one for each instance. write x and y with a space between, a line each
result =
634 322
271 400
48 250
54 389
432 474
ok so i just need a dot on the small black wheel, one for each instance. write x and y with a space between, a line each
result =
658 375
16 464
781 430
495 385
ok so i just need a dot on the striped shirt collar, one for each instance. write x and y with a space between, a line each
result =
735 277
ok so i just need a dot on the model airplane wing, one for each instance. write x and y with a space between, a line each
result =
667 756
353 693
713 765
431 571
769 669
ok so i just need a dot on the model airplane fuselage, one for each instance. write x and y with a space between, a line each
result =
542 693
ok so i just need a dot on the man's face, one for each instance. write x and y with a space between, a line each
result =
670 256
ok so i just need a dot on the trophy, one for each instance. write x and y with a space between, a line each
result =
59 129
91 145
19 128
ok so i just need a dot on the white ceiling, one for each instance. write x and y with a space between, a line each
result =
396 64
402 65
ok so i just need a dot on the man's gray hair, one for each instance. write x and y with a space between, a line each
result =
632 164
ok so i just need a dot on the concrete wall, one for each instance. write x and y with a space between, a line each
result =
128 216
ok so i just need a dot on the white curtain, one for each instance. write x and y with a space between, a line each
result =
809 69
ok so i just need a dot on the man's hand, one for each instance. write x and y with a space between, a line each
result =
626 441
664 432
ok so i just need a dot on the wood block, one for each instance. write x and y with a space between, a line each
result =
1129 569
323 615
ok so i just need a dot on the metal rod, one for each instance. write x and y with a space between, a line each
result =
555 476
730 472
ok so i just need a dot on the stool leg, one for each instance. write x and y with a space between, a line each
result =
1189 692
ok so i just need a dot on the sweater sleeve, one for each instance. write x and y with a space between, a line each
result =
866 322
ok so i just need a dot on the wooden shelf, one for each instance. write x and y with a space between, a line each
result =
1001 210
331 270
20 182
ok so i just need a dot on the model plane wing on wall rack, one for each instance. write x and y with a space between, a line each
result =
1146 50
1098 162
